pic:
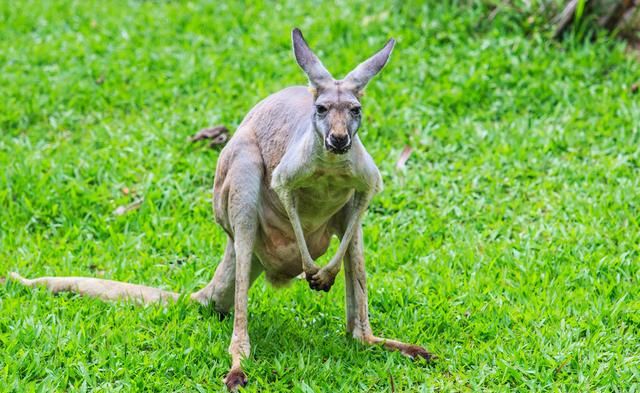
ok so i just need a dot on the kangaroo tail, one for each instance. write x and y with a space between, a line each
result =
99 288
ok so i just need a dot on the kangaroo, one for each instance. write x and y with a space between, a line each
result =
293 175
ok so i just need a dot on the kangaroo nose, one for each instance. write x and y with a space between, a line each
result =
339 142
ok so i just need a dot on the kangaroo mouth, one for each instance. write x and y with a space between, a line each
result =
339 149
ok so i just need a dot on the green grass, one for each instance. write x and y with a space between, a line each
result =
509 245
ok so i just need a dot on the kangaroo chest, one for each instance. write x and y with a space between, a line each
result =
321 196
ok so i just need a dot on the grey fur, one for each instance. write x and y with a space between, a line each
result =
281 191
365 71
308 61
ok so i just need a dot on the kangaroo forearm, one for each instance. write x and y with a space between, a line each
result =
288 200
361 201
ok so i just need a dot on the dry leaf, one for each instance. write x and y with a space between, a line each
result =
218 135
404 156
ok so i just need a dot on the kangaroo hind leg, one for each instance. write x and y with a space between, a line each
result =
244 180
220 291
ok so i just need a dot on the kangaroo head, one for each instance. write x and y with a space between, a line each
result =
338 112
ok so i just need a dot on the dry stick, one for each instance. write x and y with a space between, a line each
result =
393 385
611 21
493 14
565 19
617 14
125 209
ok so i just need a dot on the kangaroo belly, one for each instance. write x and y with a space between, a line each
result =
276 245
279 254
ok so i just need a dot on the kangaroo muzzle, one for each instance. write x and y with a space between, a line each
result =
338 144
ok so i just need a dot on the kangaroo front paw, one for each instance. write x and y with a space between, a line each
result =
322 280
235 379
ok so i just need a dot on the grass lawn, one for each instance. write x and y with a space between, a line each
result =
509 245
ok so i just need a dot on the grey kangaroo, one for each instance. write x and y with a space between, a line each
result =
294 174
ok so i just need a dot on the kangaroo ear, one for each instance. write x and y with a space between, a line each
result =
309 62
362 74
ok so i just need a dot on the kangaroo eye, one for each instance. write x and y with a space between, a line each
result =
355 111
321 109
